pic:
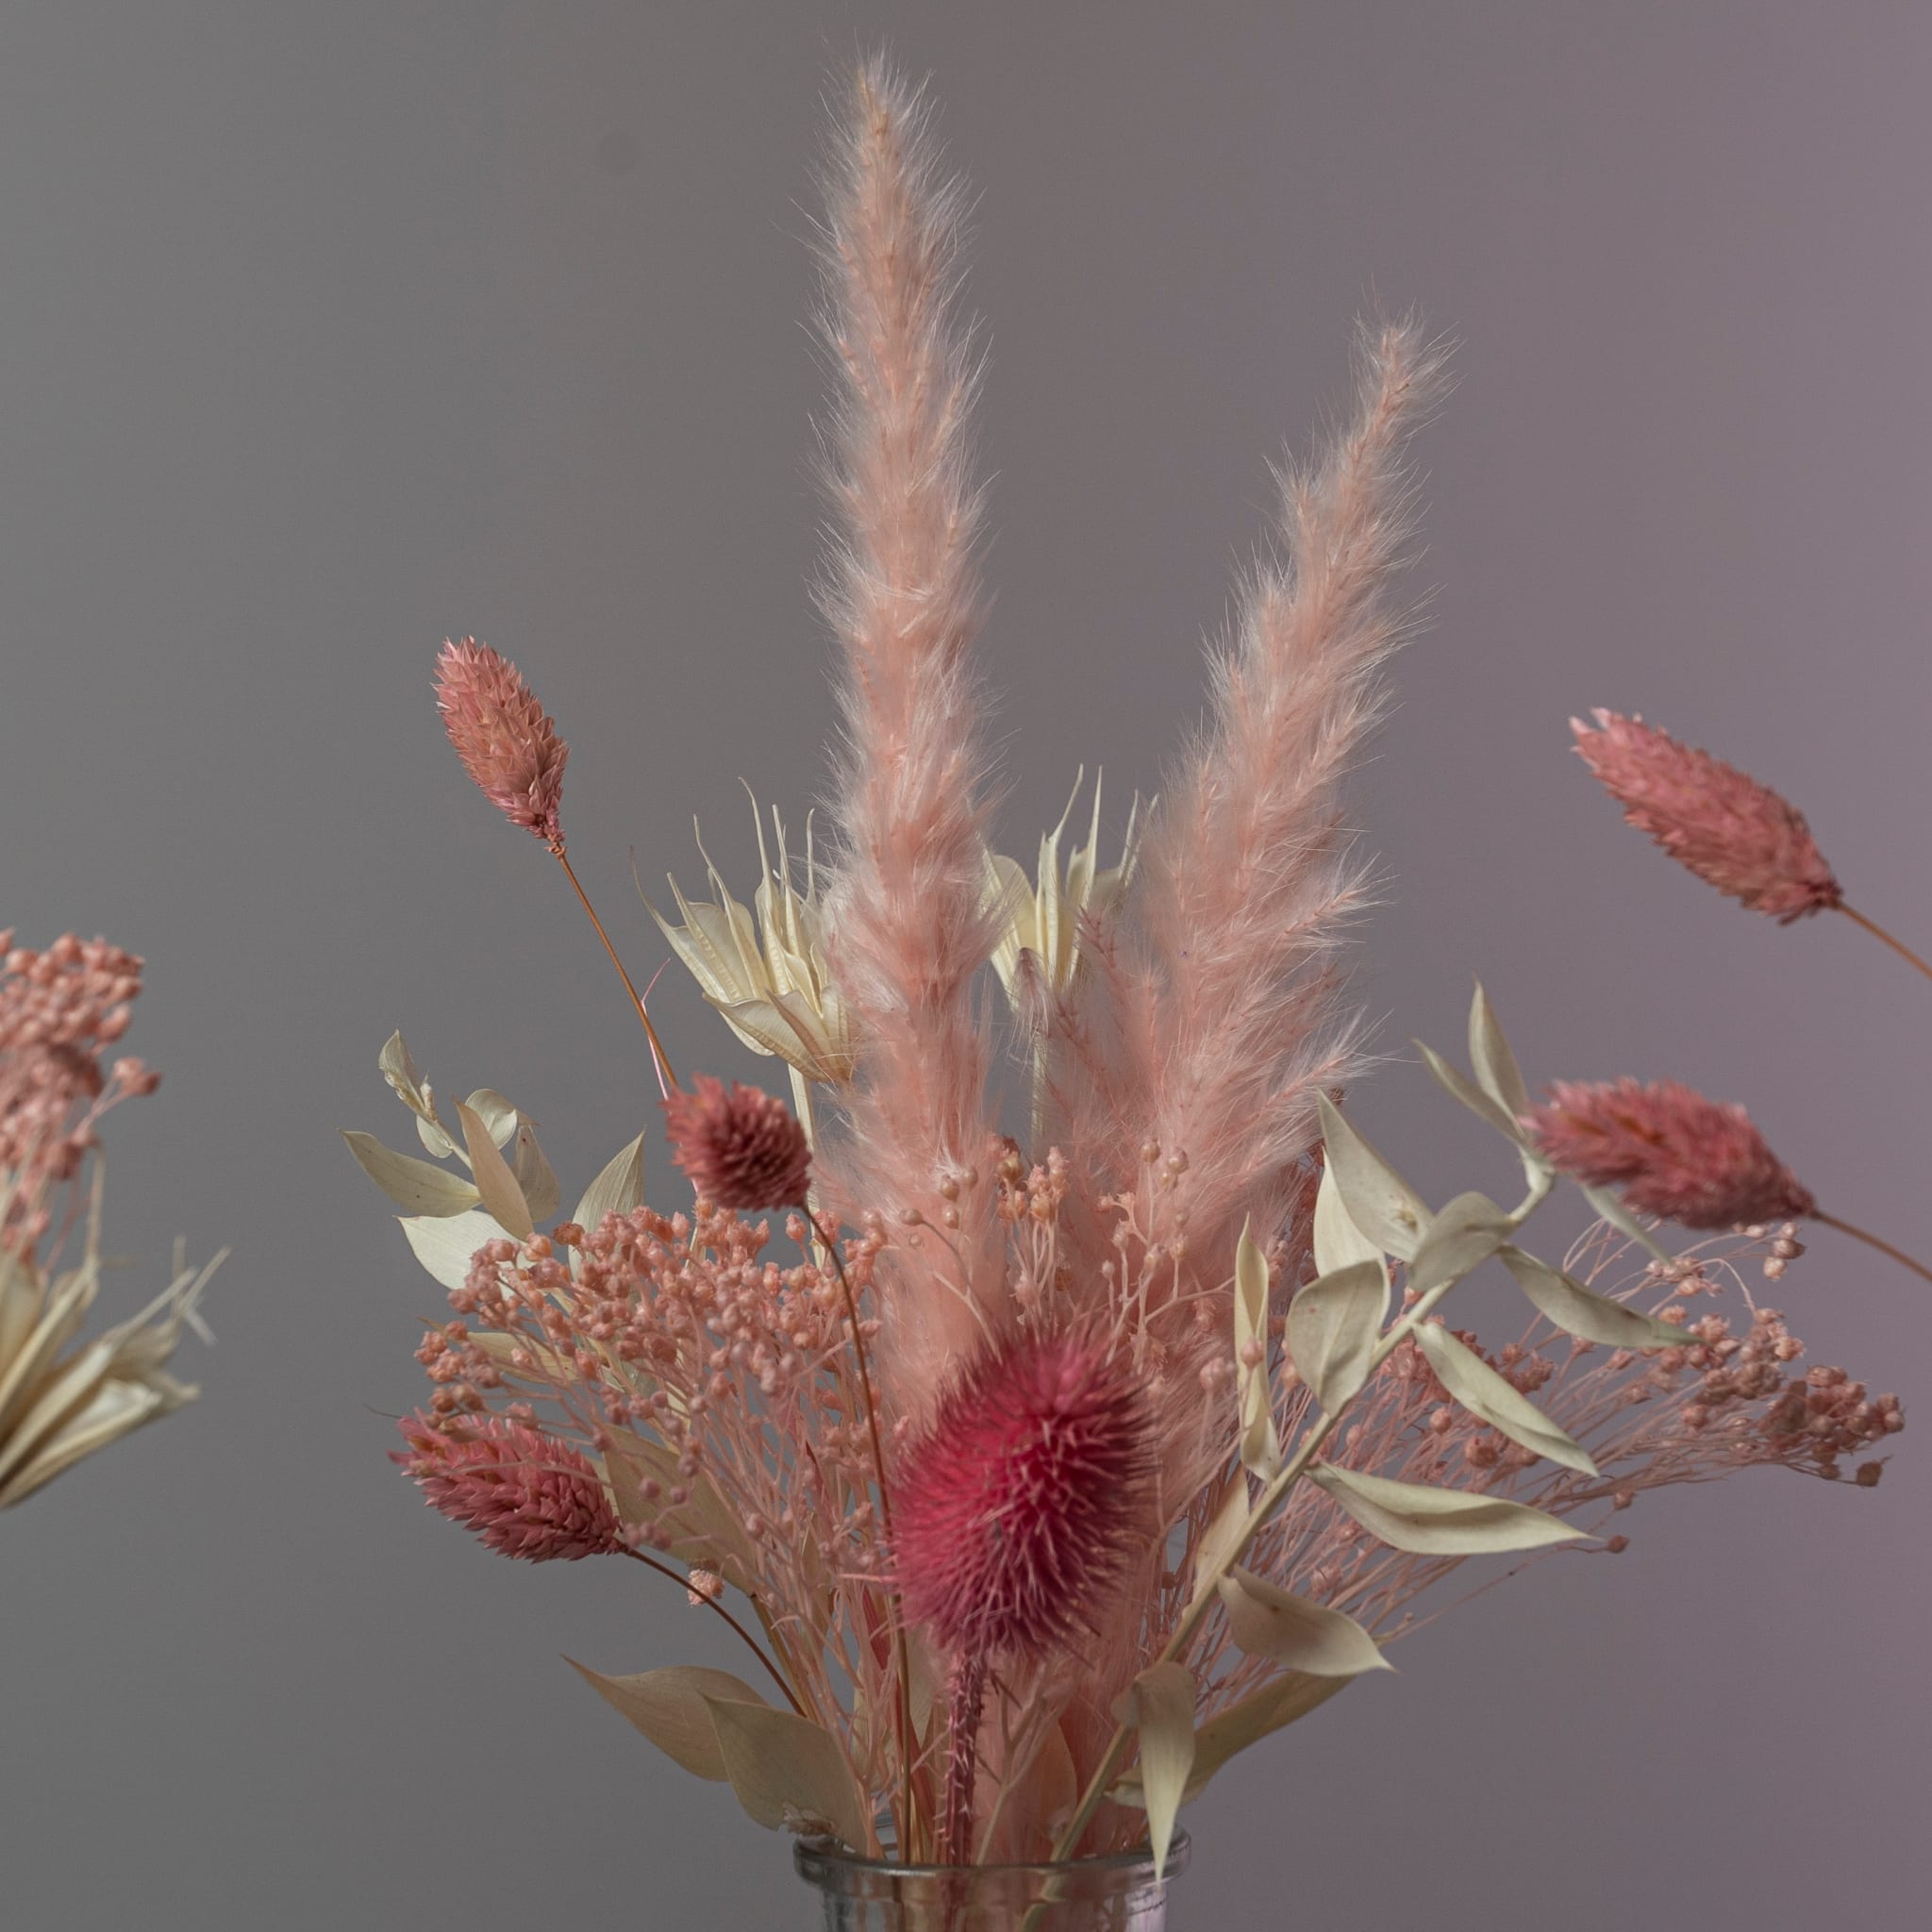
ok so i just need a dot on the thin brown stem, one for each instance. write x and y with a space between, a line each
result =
711 1603
1879 932
661 1060
1871 1240
878 1458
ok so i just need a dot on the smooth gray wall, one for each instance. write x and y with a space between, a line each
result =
330 330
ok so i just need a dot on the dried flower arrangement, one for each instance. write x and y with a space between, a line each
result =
62 1396
1041 1479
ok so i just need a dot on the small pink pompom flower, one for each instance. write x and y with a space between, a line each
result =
501 733
525 1492
1675 1154
1734 833
1025 1499
743 1148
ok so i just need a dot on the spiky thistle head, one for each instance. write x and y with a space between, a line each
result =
743 1148
1025 1498
525 1492
1675 1154
507 742
1734 833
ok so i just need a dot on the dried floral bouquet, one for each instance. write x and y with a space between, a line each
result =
1040 1478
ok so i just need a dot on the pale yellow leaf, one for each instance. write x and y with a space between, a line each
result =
1333 1326
1160 1705
1584 1313
1437 1522
1490 1398
412 1184
1260 1442
1264 1620
1387 1210
1464 1234
670 1707
446 1245
785 1768
495 1184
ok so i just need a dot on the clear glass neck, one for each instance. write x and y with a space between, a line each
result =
1115 1893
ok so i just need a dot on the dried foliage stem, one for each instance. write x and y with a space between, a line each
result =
1871 1240
1205 1596
901 1649
711 1603
661 1060
1879 932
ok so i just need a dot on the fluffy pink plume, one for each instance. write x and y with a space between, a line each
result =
906 914
1734 833
526 1493
507 742
1675 1154
743 1148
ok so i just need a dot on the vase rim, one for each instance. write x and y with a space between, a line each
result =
818 1855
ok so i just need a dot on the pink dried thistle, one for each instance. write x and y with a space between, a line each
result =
525 1493
507 742
1734 833
1675 1154
743 1148
1025 1499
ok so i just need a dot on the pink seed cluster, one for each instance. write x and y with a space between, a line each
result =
1025 1499
507 742
743 1148
526 1493
60 1010
1734 833
1675 1154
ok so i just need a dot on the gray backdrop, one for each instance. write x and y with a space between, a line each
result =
333 329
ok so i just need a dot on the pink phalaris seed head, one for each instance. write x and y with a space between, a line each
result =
506 743
1675 1154
1026 1496
1731 831
741 1148
525 1493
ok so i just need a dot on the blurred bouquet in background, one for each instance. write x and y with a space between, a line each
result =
1043 1466
64 1395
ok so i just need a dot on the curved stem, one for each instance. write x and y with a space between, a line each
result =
879 1462
661 1060
757 1649
1879 932
1871 1240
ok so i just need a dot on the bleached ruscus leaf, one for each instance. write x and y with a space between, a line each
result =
786 1770
1160 1706
1584 1313
1437 1522
1378 1200
495 1184
412 1184
1333 1326
1490 1398
1464 1234
1267 1621
673 1708
1260 1442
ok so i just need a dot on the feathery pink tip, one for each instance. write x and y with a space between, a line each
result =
501 733
1734 833
525 1493
1025 1498
743 1148
1675 1154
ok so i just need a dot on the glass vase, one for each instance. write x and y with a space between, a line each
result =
1115 1893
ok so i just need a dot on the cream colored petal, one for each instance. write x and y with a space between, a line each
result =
54 1401
66 1308
115 1410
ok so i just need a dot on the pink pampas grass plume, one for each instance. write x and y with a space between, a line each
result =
1719 823
525 1493
507 742
1025 1498
906 918
744 1149
1675 1155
